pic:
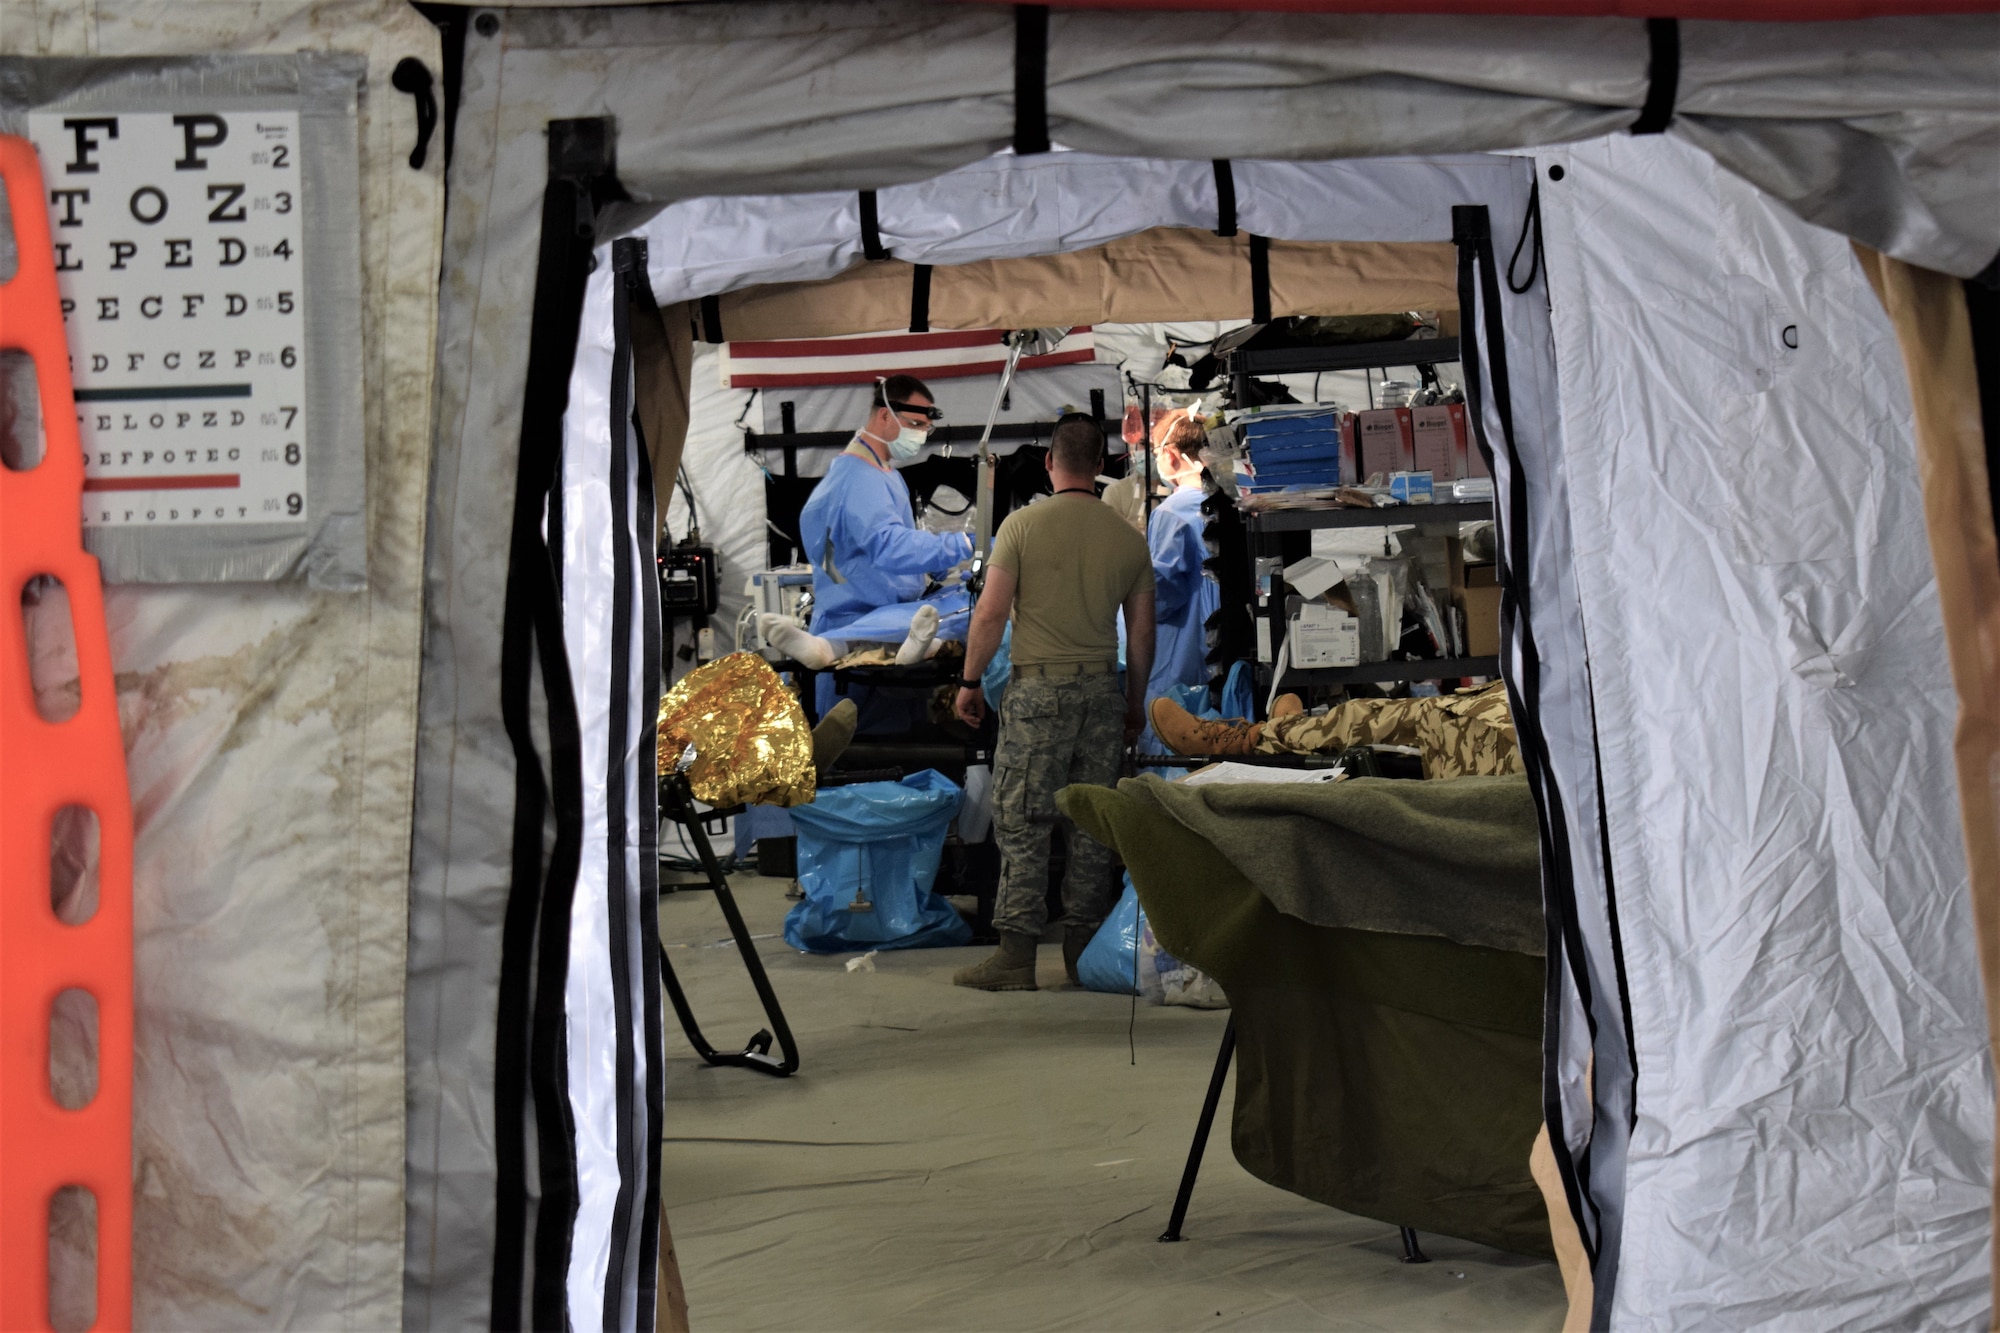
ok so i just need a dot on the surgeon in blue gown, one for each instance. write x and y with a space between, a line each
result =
877 576
1183 598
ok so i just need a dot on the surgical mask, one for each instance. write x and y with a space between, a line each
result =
909 441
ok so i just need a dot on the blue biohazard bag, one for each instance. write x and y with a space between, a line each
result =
1109 962
868 855
1124 958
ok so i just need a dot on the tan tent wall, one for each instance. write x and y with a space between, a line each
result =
1168 273
1162 275
1928 310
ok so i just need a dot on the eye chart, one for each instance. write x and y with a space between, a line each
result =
179 254
205 217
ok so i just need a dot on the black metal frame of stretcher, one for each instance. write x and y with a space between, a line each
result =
677 804
1226 1053
1412 1254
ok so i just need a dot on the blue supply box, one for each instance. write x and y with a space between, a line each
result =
1293 450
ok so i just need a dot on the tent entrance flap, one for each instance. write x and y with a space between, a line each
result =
1145 218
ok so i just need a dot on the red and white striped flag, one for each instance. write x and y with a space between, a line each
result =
863 358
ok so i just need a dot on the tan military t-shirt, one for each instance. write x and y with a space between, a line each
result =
1076 561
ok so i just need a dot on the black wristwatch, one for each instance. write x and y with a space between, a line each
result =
968 683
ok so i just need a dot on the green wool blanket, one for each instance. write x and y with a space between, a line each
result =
1388 1056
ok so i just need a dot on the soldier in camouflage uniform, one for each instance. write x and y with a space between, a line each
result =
1054 730
1459 735
1062 569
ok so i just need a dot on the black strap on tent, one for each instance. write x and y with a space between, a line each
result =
920 298
1031 80
1225 198
1530 222
530 1065
871 229
1260 279
711 319
1663 72
412 76
638 292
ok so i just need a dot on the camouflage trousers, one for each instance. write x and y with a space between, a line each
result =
1054 730
1458 735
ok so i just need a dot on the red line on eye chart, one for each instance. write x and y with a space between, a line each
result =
216 481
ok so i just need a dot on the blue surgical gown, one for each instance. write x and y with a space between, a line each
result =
1183 599
869 557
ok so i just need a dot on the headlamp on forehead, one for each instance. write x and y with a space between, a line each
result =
930 410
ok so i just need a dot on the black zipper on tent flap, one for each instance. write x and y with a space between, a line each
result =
530 1050
1479 291
920 298
627 254
1031 80
711 319
1260 280
1611 919
1225 198
871 229
451 22
648 925
1663 76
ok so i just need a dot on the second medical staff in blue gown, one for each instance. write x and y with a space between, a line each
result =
1183 598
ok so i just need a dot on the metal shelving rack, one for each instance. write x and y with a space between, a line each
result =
1272 531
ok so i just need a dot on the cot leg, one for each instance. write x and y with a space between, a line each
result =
1411 1254
1223 1056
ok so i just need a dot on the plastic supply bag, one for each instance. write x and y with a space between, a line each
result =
1124 954
868 856
1165 979
1106 963
1237 700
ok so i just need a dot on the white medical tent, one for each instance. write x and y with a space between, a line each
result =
393 848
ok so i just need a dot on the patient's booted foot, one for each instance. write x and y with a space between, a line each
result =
923 628
831 736
796 642
1287 705
1184 733
1012 966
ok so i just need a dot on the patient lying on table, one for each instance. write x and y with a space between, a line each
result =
1459 735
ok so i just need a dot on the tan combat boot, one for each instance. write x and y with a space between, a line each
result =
1287 705
1012 966
1184 733
832 736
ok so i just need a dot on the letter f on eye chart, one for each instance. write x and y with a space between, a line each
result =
178 259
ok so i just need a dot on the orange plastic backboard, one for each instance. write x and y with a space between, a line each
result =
44 767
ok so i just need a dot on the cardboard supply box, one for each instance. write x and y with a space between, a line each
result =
1412 488
1324 636
1440 450
1480 600
1383 441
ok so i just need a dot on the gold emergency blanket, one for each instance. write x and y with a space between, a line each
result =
750 739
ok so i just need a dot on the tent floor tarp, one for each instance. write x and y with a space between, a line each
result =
951 1159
